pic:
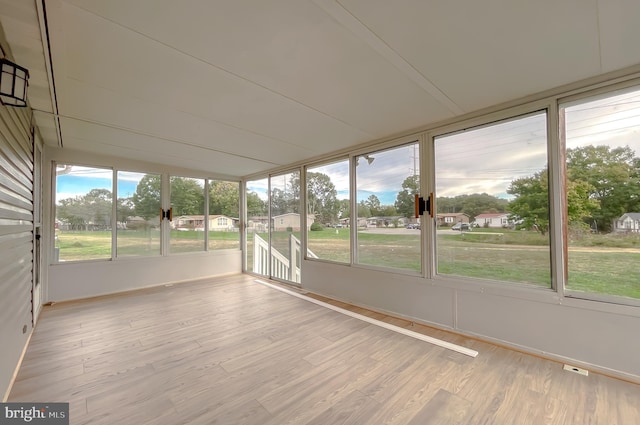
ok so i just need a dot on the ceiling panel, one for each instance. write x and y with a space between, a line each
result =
619 22
160 121
290 47
156 74
90 137
484 53
242 86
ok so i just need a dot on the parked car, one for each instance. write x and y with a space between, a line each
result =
461 226
413 226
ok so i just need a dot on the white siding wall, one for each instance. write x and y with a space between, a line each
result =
16 239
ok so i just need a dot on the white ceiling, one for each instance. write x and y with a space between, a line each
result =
241 86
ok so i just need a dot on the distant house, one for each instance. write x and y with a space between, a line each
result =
222 223
290 221
492 220
217 223
346 222
136 222
449 219
258 223
628 222
387 221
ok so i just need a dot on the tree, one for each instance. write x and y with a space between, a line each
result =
613 176
373 203
603 182
73 212
405 200
387 211
363 210
92 209
343 208
321 196
472 205
531 205
187 196
580 204
146 199
125 209
224 198
281 202
448 205
478 203
255 205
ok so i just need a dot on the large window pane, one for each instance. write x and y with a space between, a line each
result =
83 213
493 203
286 222
138 221
224 207
328 203
385 182
257 243
603 194
187 226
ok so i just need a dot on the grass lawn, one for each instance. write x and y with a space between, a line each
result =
606 271
95 245
78 245
597 263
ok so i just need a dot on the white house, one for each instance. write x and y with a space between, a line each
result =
219 223
449 219
291 221
628 222
492 220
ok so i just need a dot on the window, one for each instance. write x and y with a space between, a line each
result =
285 235
602 195
224 213
257 235
83 211
386 182
187 227
138 219
329 207
494 177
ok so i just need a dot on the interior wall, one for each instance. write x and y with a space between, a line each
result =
92 278
16 239
584 333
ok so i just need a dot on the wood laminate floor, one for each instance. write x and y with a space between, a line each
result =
232 351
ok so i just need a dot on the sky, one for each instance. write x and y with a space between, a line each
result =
488 159
478 160
382 177
80 180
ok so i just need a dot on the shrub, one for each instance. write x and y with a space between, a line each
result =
316 226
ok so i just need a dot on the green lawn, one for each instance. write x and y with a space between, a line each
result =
79 245
597 263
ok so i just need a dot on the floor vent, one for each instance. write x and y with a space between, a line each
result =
577 370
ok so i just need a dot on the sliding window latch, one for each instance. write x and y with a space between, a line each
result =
168 214
422 205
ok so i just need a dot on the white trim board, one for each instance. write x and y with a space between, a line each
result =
457 348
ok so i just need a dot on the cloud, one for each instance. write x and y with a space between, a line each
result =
487 159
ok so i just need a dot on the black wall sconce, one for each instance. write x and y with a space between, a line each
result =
14 81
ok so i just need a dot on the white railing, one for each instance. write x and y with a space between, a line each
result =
281 267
